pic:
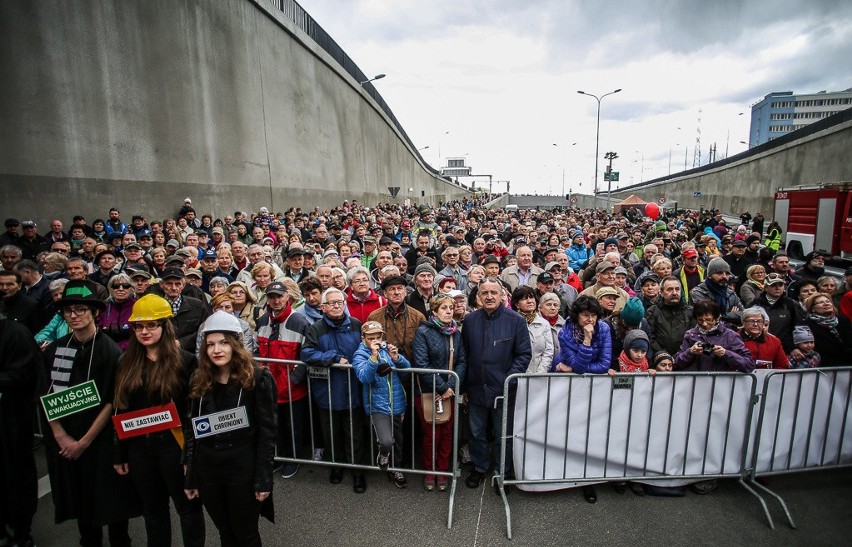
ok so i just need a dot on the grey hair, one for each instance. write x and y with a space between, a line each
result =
329 291
350 275
57 284
756 310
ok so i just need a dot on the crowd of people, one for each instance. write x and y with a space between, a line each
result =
178 317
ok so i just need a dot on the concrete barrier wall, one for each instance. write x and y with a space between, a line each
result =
140 104
750 184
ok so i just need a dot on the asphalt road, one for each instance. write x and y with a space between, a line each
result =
309 510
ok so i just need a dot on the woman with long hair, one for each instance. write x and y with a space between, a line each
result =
230 437
754 285
154 371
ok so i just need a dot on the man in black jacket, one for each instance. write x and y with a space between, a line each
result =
670 318
15 305
189 312
784 312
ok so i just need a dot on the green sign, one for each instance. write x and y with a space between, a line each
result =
70 401
613 176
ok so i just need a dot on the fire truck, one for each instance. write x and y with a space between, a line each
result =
816 218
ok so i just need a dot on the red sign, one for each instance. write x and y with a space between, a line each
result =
781 195
147 420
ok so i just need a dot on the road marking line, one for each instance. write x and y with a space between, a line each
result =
479 516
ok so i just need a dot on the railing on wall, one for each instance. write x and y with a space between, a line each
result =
297 14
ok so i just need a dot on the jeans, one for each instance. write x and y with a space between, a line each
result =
481 454
290 436
389 436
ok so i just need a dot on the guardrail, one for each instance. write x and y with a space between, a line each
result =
321 380
674 428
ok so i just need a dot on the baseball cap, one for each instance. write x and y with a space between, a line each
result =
372 326
276 287
774 279
545 277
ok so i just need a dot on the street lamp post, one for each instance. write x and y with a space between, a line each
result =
610 156
376 77
597 137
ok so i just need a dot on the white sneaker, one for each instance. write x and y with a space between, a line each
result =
318 454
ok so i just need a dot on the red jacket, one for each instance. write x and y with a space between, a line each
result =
765 351
361 309
281 337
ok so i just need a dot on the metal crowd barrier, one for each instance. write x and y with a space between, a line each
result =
333 457
575 429
803 424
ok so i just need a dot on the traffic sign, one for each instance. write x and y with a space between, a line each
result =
696 194
393 191
661 200
573 199
613 176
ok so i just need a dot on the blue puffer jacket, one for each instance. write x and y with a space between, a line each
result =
379 390
432 350
497 345
325 344
583 359
578 255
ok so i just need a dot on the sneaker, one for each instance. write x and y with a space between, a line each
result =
318 454
398 479
442 483
383 460
429 483
289 470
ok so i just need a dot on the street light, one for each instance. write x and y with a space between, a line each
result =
597 137
376 77
424 148
564 157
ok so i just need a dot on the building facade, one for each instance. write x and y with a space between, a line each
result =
781 112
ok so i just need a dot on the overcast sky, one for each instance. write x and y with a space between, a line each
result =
496 81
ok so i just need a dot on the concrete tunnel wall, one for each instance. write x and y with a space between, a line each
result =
138 105
750 184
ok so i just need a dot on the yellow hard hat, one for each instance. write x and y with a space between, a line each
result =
150 308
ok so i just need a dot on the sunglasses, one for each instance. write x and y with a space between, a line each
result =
122 286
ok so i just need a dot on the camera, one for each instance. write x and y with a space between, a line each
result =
383 345
706 349
439 406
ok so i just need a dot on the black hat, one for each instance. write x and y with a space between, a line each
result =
385 241
751 239
172 273
295 252
81 291
174 258
739 243
545 278
276 287
393 280
102 253
12 222
812 255
490 259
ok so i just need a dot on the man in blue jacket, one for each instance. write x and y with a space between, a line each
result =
497 343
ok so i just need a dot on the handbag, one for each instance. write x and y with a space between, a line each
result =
427 400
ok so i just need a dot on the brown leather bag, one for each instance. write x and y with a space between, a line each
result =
427 400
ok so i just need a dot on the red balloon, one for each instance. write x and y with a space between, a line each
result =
652 210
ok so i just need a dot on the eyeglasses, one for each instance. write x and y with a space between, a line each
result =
62 250
75 310
336 303
122 286
147 325
753 322
451 254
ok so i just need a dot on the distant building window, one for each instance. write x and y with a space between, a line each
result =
455 163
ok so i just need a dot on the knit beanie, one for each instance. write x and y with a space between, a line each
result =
802 334
424 268
633 312
610 241
636 339
661 356
717 265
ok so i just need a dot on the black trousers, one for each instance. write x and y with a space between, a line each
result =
18 481
92 536
226 488
157 473
348 442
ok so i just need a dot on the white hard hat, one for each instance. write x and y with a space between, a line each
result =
223 322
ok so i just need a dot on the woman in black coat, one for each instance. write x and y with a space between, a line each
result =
832 332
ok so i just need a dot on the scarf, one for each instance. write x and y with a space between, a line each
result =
579 335
529 316
626 364
552 320
447 328
829 322
756 284
719 294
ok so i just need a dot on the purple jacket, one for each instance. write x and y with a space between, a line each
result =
736 359
113 321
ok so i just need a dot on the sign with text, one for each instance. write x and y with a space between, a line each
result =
147 420
220 422
70 401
